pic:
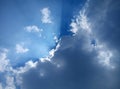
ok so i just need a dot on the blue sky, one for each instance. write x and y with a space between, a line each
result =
17 16
59 44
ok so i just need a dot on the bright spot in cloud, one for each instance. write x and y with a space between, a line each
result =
41 74
105 58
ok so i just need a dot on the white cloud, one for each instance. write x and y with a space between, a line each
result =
10 81
46 15
12 75
81 23
4 62
51 54
10 84
105 56
20 49
33 28
44 59
84 23
7 69
28 65
74 28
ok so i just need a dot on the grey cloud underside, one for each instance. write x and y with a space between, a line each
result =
80 70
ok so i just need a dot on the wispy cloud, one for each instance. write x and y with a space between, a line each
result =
46 15
81 22
12 76
33 28
21 49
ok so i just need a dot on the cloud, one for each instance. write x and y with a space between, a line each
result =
10 83
28 65
4 62
82 27
78 71
46 15
51 53
74 28
10 77
81 22
13 76
20 49
6 69
78 55
33 28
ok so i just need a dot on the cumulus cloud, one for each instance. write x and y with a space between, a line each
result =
46 15
4 62
6 69
28 65
21 49
13 76
77 51
33 28
81 26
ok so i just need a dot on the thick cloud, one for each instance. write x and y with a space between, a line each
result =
73 67
78 70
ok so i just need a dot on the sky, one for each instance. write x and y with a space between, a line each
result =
59 44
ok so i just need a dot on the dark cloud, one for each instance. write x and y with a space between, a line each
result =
80 69
104 16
